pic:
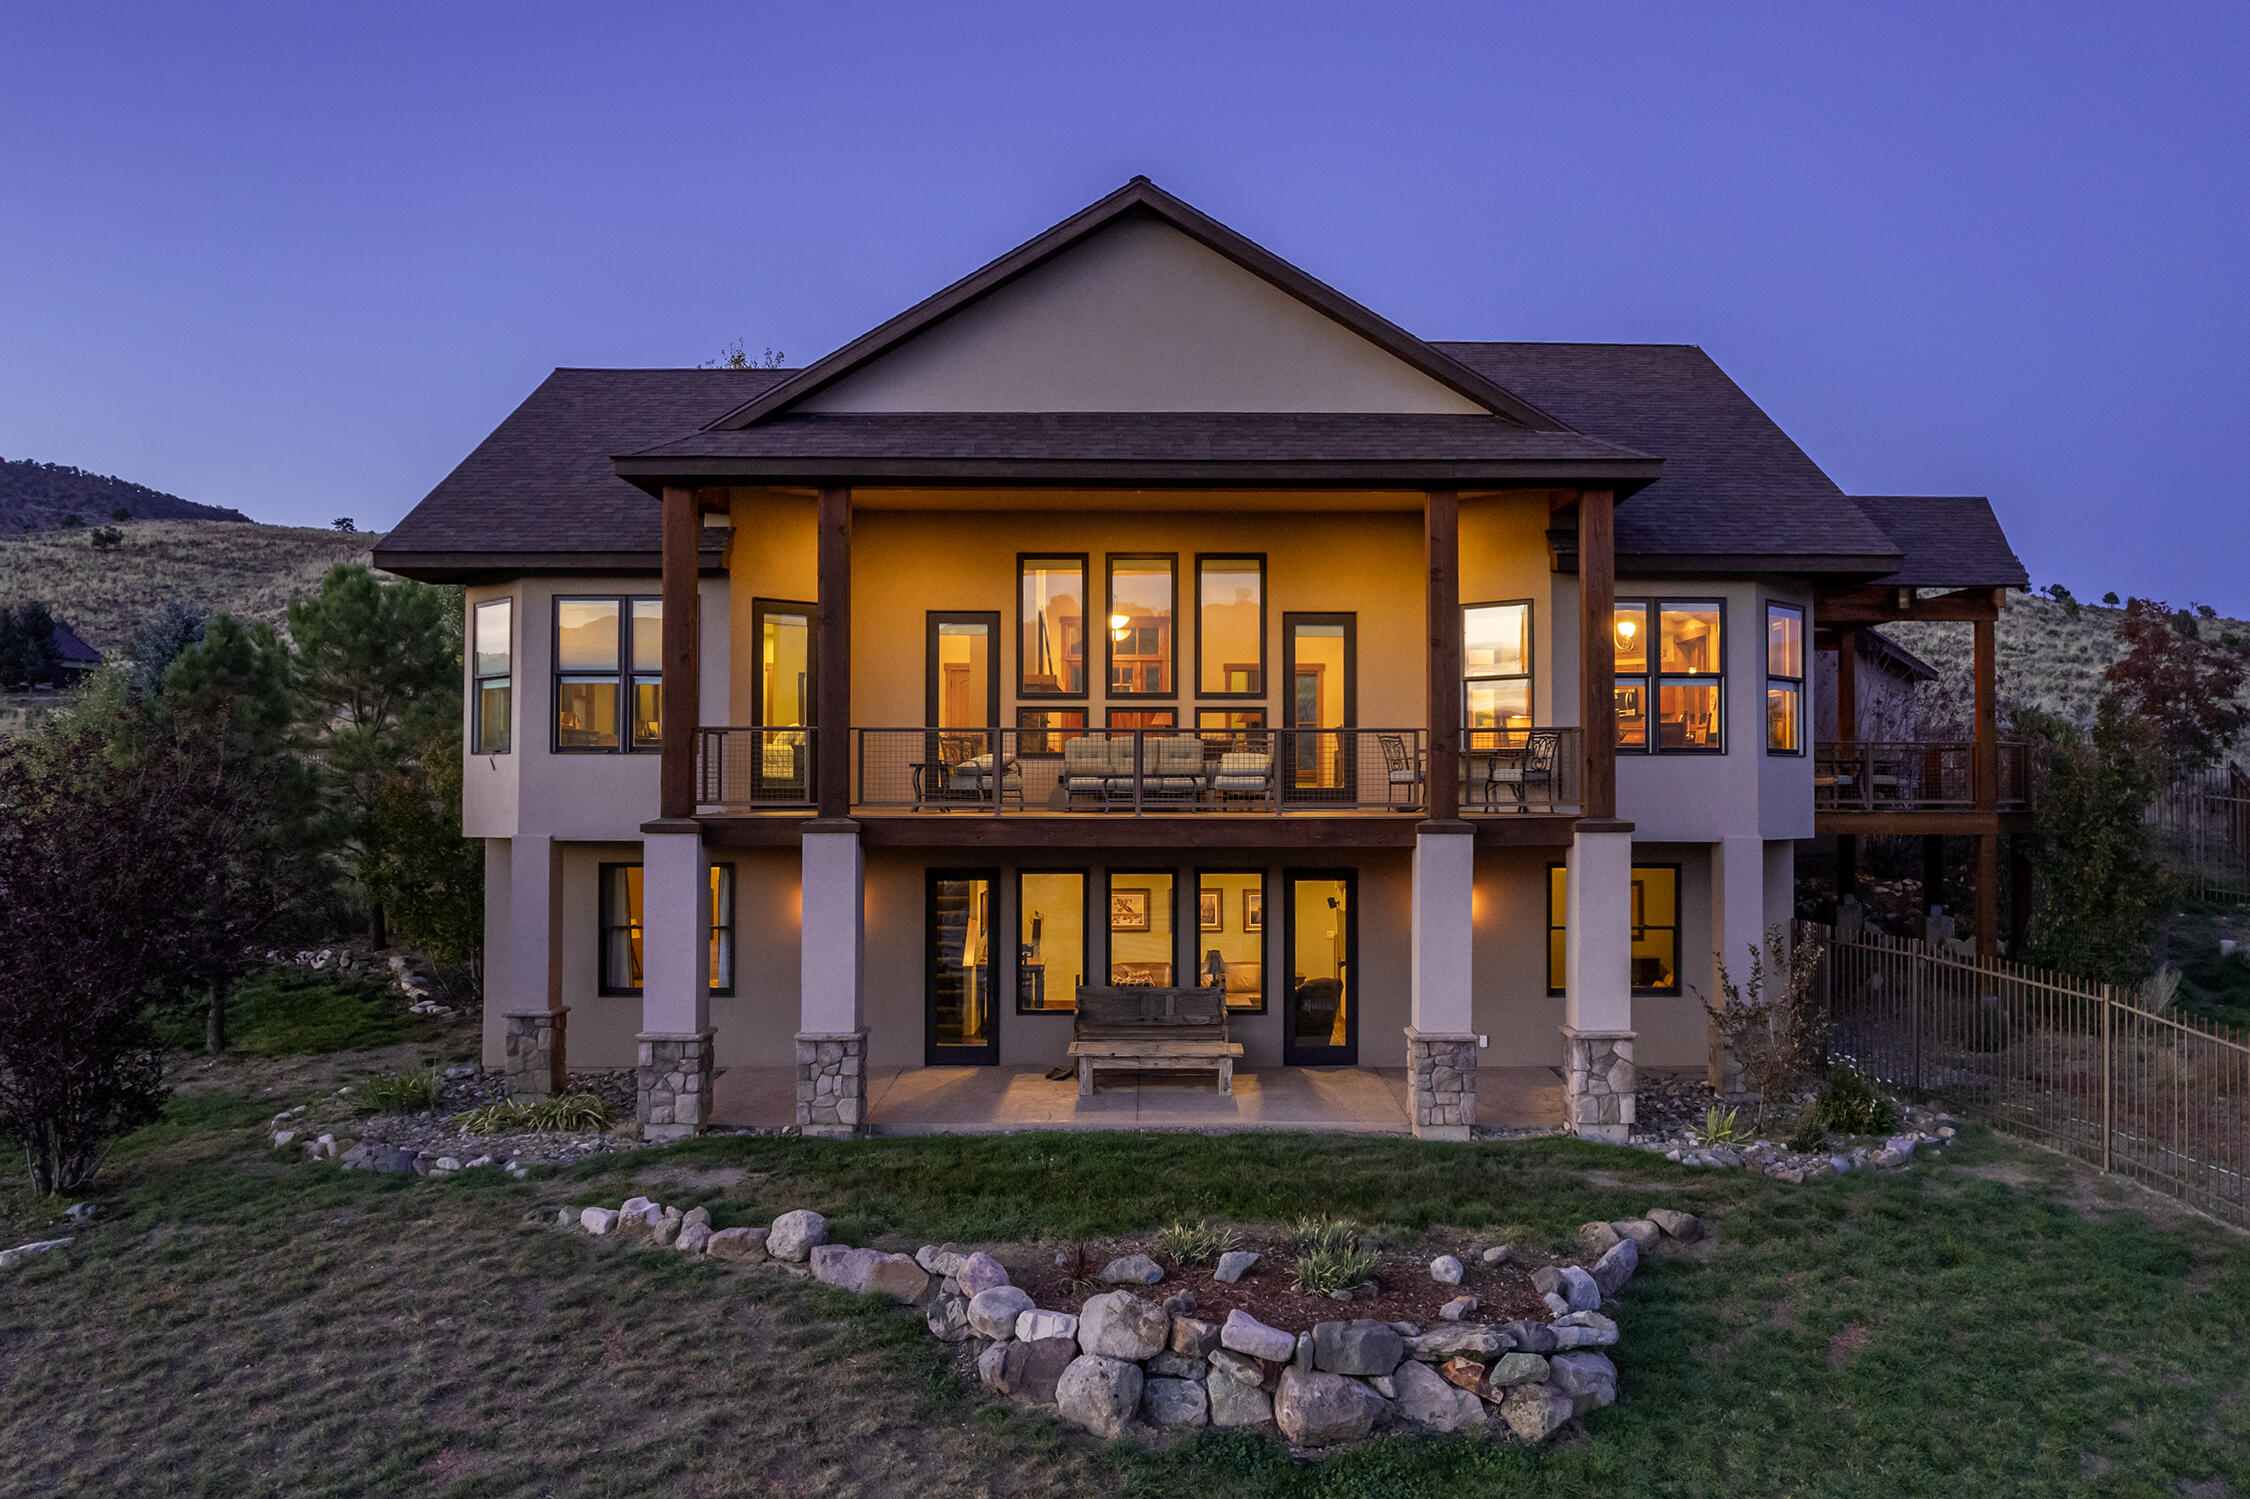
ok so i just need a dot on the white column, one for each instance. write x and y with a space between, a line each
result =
1598 980
675 1037
832 981
1441 1043
1738 923
533 1040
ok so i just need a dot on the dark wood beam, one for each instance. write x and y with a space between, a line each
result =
1847 685
1441 545
1963 822
1882 606
1988 787
1117 836
832 669
683 697
1597 650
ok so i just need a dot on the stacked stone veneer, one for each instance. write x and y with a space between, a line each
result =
832 1082
675 1084
533 1039
1598 1085
1445 1083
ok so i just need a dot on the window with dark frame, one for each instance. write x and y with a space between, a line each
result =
1496 674
1051 603
1142 599
1656 928
620 924
722 930
1230 625
1785 679
1230 936
609 684
1670 687
492 673
1051 940
1232 728
1044 731
1143 930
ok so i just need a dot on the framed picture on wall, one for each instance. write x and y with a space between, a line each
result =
1211 910
1128 910
1253 910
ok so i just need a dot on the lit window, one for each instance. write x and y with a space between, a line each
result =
1141 590
722 929
493 695
621 930
1140 927
1785 679
1230 626
1051 657
1051 943
1230 936
1656 927
609 683
1496 672
1670 672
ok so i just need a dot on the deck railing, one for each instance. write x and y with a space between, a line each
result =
1866 775
750 769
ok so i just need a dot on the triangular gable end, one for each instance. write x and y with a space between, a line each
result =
1139 303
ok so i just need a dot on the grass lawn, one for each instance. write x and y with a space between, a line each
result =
242 1326
290 1011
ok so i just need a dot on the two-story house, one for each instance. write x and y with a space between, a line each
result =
1140 609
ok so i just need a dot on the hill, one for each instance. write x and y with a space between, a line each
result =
37 496
247 570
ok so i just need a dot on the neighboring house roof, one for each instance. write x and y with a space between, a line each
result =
1946 541
76 654
1879 649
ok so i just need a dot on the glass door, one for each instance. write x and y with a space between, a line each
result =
782 767
962 700
1320 666
1320 1022
963 1021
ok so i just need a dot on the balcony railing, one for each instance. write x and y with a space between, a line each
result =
1906 776
1521 770
751 769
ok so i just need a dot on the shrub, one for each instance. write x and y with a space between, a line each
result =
1810 1135
563 1112
1323 1234
415 1091
1850 1105
104 538
1196 1243
1771 1024
1723 1127
1327 1270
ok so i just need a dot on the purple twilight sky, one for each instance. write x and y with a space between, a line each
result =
299 258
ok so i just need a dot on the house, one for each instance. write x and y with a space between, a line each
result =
75 660
1140 609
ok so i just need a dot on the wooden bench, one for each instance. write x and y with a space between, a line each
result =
1152 1029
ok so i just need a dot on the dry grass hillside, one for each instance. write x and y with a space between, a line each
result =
249 571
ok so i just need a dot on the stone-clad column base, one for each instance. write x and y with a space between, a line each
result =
675 1084
1444 1073
537 1066
832 1083
1598 1084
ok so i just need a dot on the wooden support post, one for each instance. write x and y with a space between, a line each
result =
682 684
1597 651
1988 787
1441 541
832 709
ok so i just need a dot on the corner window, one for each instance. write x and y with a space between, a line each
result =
1656 927
621 929
1671 675
1230 626
1141 591
1496 674
609 684
1051 940
1230 936
492 674
1051 622
1785 679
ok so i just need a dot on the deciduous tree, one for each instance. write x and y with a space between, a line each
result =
2187 686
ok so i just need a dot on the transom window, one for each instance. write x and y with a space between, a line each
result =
1785 679
1656 927
493 671
609 683
1496 674
1671 675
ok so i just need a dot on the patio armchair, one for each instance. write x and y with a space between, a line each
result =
1519 772
1243 773
1406 773
966 773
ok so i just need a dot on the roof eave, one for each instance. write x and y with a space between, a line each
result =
1624 477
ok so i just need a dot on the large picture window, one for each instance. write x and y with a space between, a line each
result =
1496 674
1051 616
1671 675
1230 626
1656 927
1141 644
609 685
1230 935
492 697
1785 679
621 930
1141 941
1051 940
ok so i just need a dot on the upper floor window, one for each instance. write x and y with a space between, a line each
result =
1671 675
492 669
1230 626
785 663
609 686
1141 591
1496 673
1051 615
1785 679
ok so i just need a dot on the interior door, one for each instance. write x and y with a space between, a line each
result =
1320 707
963 1012
782 767
1320 940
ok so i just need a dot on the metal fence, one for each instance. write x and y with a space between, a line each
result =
2153 1096
2205 820
752 768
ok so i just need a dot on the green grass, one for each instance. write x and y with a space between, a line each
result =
244 1327
291 1011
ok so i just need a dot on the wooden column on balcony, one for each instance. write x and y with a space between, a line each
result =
1847 732
832 683
1441 542
1988 787
683 696
1597 652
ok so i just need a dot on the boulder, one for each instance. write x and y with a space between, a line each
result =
598 1221
1584 1330
748 1244
1643 1233
1118 1324
1175 1402
1320 1410
1529 1336
1577 1290
1234 1403
1441 1343
1180 1302
1028 1371
1429 1402
1596 1238
795 1233
979 1272
1496 1255
896 1277
667 1228
566 1217
993 1313
1589 1379
948 1317
1170 1365
1194 1336
10 1258
1233 1265
841 1266
1685 1227
1446 1270
1463 1374
1100 1394
1458 1308
1240 1368
1514 1369
1036 1324
1246 1334
1362 1348
695 1237
1615 1268
935 1260
1131 1270
1535 1412
1303 1358
698 1215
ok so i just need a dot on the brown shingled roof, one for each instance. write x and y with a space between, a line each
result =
1947 541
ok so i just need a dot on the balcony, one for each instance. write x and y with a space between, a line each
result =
1007 772
1877 776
